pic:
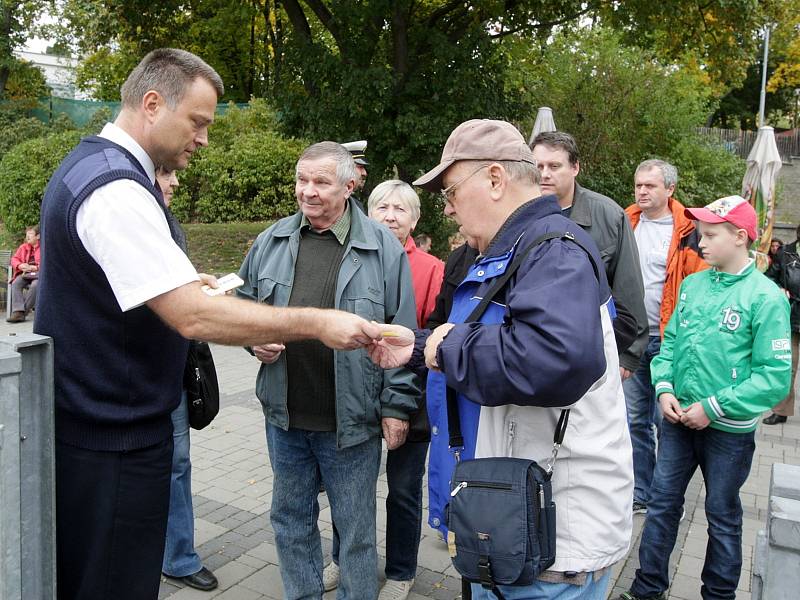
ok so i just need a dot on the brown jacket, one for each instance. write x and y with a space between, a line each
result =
683 258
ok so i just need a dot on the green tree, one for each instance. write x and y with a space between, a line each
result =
17 19
403 74
25 81
624 105
24 173
716 37
246 173
113 35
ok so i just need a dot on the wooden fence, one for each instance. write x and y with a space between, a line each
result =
740 141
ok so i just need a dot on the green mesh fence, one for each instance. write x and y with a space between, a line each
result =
81 111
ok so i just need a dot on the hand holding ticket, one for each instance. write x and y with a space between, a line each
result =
393 348
225 284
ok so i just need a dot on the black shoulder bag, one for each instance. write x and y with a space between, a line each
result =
501 517
201 385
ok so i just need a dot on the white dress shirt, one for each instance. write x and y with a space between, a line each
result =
124 229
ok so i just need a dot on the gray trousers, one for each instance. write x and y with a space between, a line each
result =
19 300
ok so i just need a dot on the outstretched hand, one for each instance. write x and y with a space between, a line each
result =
393 348
346 331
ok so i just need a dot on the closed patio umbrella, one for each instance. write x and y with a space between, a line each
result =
758 187
544 122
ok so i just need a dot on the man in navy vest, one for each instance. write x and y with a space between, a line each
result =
120 299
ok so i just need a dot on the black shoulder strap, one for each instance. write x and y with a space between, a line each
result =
453 415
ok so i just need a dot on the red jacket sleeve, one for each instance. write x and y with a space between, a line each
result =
434 284
20 256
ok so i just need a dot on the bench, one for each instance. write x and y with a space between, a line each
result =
5 289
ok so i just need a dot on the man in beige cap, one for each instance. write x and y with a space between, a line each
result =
544 343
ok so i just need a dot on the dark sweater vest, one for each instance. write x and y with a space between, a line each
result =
118 375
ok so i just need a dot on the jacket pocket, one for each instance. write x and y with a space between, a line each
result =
273 292
367 307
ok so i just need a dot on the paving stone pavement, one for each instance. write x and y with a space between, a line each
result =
232 488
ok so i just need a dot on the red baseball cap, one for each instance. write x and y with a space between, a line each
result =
732 209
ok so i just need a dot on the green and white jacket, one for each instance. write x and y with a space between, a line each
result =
727 346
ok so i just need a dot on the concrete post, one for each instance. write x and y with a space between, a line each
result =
777 554
27 468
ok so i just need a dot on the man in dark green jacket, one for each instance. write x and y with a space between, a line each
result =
556 154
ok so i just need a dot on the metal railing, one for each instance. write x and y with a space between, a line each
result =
740 141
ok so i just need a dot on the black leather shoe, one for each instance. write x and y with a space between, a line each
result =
202 580
774 419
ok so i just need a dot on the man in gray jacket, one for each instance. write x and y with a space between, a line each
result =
556 155
326 410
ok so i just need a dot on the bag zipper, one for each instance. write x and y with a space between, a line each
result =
512 426
480 484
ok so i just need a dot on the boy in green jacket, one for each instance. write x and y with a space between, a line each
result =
726 357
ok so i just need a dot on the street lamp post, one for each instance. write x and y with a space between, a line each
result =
796 107
763 98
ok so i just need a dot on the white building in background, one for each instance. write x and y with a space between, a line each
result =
59 73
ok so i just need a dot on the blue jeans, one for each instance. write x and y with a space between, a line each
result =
405 468
300 460
724 459
543 590
180 558
643 414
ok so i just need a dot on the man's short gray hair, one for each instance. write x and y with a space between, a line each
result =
668 171
394 188
521 171
345 165
517 170
168 71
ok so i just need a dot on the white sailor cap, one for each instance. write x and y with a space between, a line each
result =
358 150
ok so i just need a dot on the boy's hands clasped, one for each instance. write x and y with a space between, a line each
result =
693 417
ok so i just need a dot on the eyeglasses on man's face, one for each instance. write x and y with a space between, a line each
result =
450 191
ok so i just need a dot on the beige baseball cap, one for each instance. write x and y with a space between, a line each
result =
478 139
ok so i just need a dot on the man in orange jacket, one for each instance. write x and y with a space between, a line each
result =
668 252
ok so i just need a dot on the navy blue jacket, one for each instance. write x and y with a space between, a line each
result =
540 343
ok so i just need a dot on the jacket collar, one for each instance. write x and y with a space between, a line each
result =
731 278
520 221
682 225
361 234
119 136
411 245
580 212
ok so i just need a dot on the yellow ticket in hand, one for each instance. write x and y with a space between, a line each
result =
389 334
